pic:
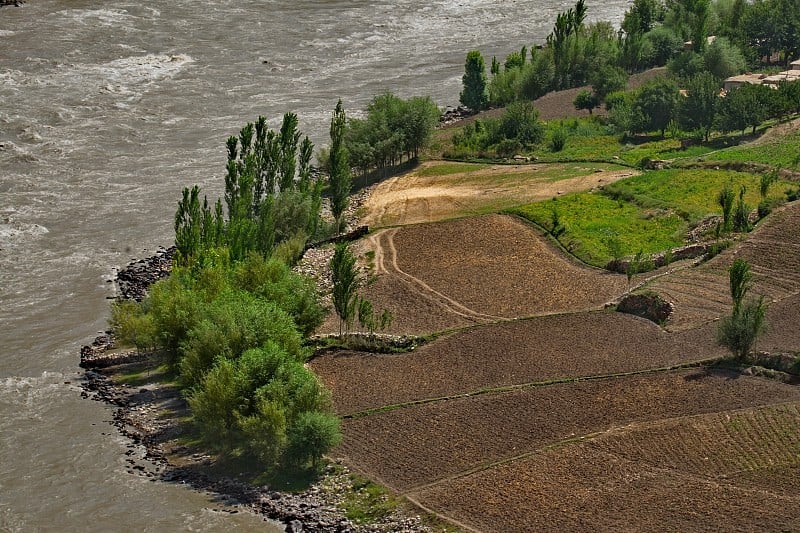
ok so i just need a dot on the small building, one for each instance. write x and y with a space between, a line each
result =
787 76
795 65
734 82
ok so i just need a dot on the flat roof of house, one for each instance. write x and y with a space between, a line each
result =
755 79
788 75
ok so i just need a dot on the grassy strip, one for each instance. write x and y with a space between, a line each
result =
783 151
598 229
531 385
648 213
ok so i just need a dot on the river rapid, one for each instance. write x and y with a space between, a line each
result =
107 110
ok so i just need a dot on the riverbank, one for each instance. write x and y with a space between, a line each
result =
150 411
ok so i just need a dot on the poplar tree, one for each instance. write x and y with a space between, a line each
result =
474 95
345 285
339 166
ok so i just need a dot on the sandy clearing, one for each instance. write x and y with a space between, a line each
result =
413 199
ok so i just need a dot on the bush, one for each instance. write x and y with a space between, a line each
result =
521 122
233 323
311 436
132 326
508 148
739 331
264 432
764 209
215 404
558 139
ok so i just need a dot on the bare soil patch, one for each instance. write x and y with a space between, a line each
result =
511 353
413 199
560 104
735 470
411 447
481 269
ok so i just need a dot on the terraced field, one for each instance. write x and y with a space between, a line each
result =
701 294
536 408
515 353
728 471
414 447
478 270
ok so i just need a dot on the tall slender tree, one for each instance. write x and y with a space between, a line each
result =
474 95
345 285
339 166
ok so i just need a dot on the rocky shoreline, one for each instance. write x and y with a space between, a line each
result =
153 453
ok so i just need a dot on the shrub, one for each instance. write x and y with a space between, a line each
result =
215 404
764 209
264 432
741 217
131 325
311 436
508 148
558 139
739 331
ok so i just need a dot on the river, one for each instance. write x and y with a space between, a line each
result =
107 110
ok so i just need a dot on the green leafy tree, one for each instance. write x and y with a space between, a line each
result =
741 219
740 279
345 285
339 166
725 200
698 109
664 44
743 107
606 80
587 100
521 122
656 103
641 16
724 59
418 120
474 95
311 436
740 330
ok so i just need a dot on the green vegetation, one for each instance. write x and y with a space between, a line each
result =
347 303
339 166
231 319
392 128
518 129
781 152
474 80
739 331
346 281
366 502
597 229
648 213
690 193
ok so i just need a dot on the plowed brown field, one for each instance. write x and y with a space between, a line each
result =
410 447
510 353
476 270
722 471
547 411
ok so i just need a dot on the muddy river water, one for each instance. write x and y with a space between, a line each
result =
107 110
